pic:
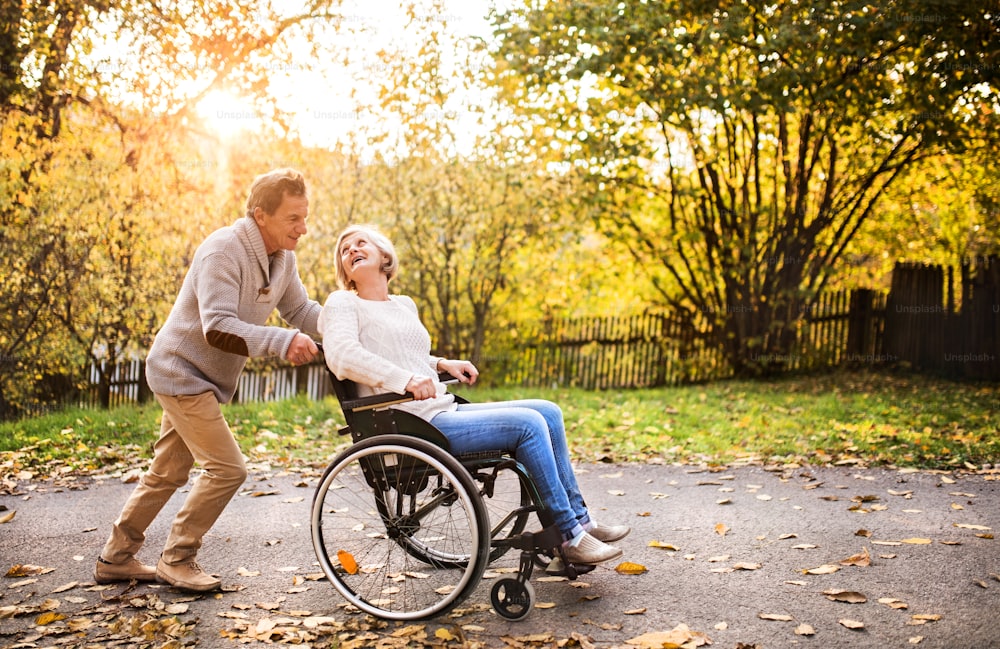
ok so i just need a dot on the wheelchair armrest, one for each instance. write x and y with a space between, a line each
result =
376 401
389 398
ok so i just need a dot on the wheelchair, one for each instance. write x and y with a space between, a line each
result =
404 530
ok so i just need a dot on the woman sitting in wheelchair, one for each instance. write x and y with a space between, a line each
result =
377 341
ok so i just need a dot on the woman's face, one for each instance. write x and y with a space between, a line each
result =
360 258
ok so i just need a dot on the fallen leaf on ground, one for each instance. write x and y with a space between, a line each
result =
916 541
662 545
847 596
804 629
923 618
48 618
775 617
825 569
679 636
629 568
851 624
8 517
721 529
347 561
861 560
893 603
26 570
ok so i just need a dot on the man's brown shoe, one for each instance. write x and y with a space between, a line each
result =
186 576
107 573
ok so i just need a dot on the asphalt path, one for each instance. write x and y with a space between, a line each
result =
742 557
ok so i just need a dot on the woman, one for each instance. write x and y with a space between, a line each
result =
377 341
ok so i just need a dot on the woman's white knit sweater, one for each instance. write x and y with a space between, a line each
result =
381 346
218 320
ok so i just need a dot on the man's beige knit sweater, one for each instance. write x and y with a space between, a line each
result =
218 320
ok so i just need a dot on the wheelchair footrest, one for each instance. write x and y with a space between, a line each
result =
557 568
545 539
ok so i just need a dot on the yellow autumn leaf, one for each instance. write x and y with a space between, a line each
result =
444 634
662 545
721 529
347 561
916 541
8 517
48 618
629 568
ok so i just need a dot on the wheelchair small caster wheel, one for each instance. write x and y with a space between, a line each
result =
512 599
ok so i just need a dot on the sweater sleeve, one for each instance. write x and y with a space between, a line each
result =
346 356
218 293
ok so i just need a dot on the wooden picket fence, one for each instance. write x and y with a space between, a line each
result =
925 323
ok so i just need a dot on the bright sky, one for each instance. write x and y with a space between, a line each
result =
319 95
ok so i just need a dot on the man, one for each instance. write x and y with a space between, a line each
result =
240 274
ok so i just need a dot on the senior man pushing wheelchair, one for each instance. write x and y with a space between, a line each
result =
240 274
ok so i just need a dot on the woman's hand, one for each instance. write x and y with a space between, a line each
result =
464 371
421 387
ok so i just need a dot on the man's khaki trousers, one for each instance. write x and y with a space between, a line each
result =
193 430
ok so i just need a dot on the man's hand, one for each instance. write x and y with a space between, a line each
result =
302 350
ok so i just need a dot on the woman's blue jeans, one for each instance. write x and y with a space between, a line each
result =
532 430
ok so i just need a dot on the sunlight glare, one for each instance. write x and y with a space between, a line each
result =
227 115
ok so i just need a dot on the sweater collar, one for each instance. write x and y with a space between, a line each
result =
249 233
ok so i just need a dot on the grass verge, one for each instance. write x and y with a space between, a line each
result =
860 418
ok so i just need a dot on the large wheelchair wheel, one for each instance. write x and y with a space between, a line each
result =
399 528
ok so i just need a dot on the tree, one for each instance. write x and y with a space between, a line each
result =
446 181
97 138
738 151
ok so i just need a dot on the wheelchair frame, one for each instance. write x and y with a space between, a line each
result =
397 502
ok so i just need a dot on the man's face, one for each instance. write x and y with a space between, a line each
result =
281 230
